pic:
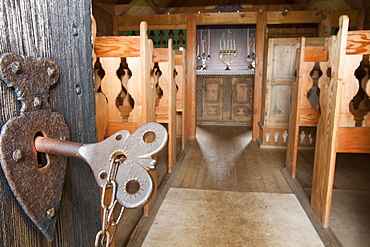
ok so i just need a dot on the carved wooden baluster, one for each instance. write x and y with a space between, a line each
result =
164 85
134 87
111 86
307 80
124 81
349 90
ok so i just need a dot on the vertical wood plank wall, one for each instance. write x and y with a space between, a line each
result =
61 31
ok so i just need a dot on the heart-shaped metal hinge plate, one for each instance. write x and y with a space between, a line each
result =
37 187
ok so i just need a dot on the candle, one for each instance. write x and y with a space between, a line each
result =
203 47
224 45
234 44
198 50
220 46
209 46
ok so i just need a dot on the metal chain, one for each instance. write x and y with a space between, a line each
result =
104 237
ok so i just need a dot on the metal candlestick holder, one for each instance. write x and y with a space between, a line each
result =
227 57
204 58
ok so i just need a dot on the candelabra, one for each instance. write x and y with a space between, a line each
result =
227 52
204 58
227 57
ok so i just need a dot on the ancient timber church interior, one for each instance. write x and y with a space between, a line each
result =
249 123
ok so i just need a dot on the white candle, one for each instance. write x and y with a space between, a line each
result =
198 50
209 46
203 47
234 44
220 46
224 45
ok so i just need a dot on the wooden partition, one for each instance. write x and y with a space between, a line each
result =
336 129
137 52
165 111
311 66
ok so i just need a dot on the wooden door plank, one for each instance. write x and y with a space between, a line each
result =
54 29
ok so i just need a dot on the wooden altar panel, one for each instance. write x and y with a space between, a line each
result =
226 99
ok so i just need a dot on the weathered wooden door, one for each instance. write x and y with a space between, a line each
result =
61 31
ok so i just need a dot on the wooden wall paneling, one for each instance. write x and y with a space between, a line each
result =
191 76
232 18
105 24
281 17
325 24
37 32
352 14
325 155
261 38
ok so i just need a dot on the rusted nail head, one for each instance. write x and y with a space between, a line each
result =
51 72
17 155
37 102
16 67
50 213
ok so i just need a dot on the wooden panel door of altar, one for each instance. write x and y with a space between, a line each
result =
224 100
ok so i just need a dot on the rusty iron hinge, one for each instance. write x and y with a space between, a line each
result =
40 133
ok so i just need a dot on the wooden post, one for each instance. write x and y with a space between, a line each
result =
325 24
191 76
258 73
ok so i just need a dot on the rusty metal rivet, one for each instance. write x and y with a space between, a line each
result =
50 213
17 155
63 138
16 67
37 102
51 72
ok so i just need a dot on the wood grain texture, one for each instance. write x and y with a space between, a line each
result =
358 42
61 31
117 46
353 140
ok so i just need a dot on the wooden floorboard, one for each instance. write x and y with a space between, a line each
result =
225 158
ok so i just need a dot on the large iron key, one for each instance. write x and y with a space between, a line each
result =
134 184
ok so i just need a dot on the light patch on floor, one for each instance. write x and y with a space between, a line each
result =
190 217
350 218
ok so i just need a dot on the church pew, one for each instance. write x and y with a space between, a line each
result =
336 129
